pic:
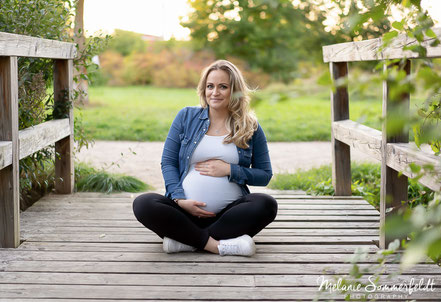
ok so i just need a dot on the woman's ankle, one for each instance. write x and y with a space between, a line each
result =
211 246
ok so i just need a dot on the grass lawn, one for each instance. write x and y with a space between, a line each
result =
144 113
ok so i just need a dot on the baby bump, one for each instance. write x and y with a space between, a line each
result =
216 192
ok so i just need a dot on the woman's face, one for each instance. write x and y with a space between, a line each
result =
218 90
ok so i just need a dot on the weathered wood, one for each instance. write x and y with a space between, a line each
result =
341 157
206 268
64 160
368 50
116 258
393 191
35 138
360 137
199 257
25 46
400 155
9 176
156 247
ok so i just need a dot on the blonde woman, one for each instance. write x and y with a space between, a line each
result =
210 155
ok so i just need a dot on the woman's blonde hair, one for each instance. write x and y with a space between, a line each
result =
241 122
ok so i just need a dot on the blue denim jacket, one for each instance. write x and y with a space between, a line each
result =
186 131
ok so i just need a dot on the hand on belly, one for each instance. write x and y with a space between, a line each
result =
213 167
193 207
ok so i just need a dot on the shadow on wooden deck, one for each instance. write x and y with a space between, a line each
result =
89 246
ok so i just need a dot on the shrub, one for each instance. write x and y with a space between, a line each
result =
88 179
366 182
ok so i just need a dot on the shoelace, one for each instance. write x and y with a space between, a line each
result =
230 248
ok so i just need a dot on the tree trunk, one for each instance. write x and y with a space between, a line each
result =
82 84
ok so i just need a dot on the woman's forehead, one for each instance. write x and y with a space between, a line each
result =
218 76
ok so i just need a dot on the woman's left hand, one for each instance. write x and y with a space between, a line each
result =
213 167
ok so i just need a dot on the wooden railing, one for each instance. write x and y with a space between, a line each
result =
14 144
394 151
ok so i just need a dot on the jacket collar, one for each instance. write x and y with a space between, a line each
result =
204 114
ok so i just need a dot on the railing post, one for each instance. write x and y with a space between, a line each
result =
393 187
341 152
64 161
9 176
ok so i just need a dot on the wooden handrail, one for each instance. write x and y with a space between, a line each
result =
393 151
368 50
14 144
25 46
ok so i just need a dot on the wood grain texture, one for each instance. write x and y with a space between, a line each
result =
25 46
34 139
76 249
358 136
64 160
9 176
368 50
394 187
341 152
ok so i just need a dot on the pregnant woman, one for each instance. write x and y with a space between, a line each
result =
210 155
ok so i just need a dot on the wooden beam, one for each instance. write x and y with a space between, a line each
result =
34 139
64 160
360 137
9 177
393 191
400 155
368 50
341 153
25 46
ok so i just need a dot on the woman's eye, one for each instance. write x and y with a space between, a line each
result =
224 87
209 86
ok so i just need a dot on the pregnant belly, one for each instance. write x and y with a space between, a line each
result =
216 192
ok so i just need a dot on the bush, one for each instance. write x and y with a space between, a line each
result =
366 182
88 179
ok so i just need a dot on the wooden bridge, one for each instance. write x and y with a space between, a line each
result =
89 247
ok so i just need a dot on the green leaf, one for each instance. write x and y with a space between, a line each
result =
430 33
389 36
398 25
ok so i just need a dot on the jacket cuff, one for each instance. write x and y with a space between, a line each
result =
235 174
178 194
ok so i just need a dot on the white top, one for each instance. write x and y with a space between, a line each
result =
216 192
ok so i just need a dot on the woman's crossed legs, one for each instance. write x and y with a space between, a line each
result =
247 215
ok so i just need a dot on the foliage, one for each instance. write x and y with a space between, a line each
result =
126 42
49 19
365 182
88 179
272 35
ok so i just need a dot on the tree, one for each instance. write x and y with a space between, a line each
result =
81 84
272 35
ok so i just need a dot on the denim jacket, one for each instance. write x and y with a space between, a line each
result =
186 131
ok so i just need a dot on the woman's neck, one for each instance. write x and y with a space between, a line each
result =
217 116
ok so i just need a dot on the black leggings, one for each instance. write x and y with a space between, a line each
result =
247 215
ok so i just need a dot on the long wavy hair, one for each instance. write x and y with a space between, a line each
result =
241 122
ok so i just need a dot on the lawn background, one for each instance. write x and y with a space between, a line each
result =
144 113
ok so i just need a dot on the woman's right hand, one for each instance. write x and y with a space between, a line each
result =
193 207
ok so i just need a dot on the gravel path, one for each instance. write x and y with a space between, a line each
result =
118 156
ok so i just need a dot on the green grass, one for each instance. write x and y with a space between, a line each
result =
88 179
144 113
365 182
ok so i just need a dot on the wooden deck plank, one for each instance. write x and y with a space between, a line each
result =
173 292
71 253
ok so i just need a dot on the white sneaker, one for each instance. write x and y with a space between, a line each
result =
240 246
172 246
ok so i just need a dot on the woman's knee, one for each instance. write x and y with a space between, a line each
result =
144 204
267 204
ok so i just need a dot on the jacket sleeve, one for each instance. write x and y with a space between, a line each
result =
170 158
260 172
